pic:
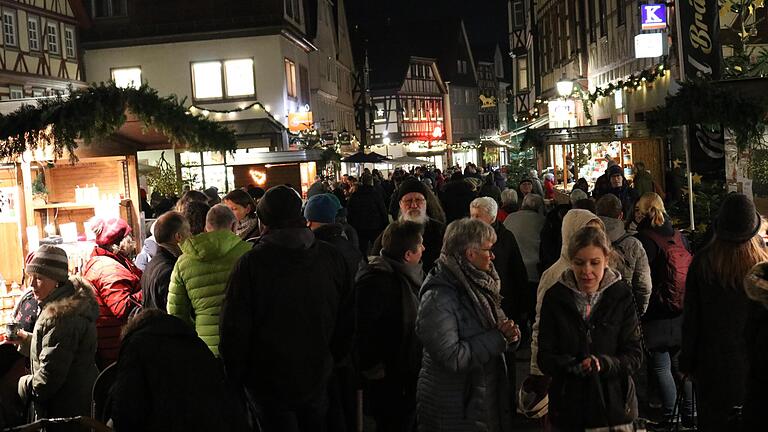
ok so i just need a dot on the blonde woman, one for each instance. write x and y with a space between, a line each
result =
715 351
669 259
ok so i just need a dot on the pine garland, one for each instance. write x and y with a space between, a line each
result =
702 102
99 111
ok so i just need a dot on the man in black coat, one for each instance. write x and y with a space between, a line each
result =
320 213
411 197
455 198
287 318
171 229
367 213
388 350
167 379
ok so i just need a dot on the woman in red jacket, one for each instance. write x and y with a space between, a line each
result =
116 283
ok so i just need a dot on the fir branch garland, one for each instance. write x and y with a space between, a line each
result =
702 102
99 111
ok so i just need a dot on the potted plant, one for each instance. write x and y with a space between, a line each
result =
39 191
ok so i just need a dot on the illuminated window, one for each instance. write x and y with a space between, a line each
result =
290 78
522 73
127 77
207 80
33 30
53 37
9 28
239 75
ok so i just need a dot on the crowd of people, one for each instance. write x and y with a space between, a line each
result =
404 304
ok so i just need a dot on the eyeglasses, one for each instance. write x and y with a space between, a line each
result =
489 250
415 201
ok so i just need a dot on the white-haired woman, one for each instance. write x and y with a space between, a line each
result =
463 384
508 204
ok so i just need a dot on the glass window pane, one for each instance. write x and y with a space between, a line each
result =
213 158
216 176
207 80
193 177
127 77
190 158
239 77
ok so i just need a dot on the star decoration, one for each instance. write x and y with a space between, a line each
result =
676 163
696 179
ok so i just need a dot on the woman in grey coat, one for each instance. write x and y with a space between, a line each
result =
463 384
62 347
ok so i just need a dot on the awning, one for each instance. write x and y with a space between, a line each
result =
591 134
539 122
407 160
277 157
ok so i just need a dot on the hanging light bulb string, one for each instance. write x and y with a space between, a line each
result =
636 81
256 106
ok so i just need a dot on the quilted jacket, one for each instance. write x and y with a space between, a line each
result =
463 362
199 280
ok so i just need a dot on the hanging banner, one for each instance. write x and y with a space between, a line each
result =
698 37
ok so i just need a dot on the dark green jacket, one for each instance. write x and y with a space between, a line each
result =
199 280
62 354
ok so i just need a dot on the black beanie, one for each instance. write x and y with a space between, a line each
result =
738 220
411 185
280 207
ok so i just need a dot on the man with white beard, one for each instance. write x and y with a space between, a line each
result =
412 198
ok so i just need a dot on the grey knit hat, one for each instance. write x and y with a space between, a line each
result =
51 262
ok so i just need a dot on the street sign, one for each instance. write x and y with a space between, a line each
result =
299 121
653 16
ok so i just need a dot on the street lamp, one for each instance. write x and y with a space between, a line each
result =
564 87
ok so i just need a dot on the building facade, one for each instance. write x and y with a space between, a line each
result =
40 49
331 71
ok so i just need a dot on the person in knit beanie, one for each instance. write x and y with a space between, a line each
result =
62 346
714 350
116 281
280 207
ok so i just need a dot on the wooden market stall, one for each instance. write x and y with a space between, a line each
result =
53 181
584 151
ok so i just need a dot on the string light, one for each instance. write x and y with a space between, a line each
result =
256 106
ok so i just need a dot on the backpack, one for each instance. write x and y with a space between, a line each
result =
621 265
672 269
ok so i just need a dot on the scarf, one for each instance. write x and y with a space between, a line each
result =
482 287
246 226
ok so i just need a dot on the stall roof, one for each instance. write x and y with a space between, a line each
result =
588 134
278 157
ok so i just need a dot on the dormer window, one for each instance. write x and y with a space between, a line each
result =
108 8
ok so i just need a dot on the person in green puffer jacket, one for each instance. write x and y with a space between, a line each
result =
200 276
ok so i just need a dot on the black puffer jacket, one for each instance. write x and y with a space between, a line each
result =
168 380
612 334
455 198
156 279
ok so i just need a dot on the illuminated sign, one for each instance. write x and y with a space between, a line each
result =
259 177
562 113
649 45
653 16
299 121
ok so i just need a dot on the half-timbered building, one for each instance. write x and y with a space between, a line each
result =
39 48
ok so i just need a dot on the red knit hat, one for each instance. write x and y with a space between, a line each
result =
109 231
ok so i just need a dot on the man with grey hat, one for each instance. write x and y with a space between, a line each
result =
287 318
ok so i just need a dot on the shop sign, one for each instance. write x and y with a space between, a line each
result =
649 45
299 121
653 16
562 112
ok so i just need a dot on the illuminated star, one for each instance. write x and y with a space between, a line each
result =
696 179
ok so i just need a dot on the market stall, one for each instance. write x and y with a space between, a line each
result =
585 152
